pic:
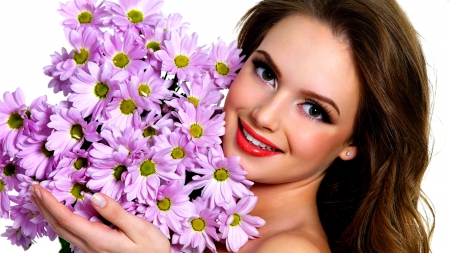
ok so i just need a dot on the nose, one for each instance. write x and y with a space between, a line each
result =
269 113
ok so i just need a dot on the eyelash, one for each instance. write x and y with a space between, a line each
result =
260 63
324 111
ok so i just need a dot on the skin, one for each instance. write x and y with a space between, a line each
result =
311 63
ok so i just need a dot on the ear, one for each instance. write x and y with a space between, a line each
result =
348 153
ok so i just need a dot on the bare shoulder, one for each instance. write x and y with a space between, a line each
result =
293 242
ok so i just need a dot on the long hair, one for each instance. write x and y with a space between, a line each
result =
370 204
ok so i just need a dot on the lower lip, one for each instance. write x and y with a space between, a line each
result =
249 148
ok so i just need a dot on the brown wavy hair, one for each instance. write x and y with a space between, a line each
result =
370 204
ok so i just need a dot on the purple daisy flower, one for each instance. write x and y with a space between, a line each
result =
108 169
176 148
200 125
153 37
38 117
148 90
124 54
67 190
129 139
171 208
56 83
201 229
4 199
122 111
153 124
35 158
237 226
201 92
27 217
85 209
226 62
16 237
72 165
83 13
92 92
134 13
174 22
223 179
70 131
180 56
144 178
12 117
9 170
85 44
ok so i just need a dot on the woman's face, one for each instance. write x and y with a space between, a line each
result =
296 97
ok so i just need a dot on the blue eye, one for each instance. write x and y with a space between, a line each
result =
313 111
266 74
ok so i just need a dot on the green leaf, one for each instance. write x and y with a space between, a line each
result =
65 246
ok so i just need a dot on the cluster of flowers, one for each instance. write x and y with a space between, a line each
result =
141 123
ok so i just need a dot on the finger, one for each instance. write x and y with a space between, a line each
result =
64 218
134 227
92 235
59 229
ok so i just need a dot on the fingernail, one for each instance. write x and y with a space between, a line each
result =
98 200
38 193
31 189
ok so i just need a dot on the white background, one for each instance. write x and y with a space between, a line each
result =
30 32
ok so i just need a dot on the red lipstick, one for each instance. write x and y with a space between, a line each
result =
249 147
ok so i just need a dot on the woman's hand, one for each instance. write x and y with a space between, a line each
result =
134 234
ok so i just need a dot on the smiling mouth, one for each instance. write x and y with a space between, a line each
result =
254 144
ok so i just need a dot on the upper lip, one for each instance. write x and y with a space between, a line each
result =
258 137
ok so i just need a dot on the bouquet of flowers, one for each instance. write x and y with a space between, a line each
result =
140 123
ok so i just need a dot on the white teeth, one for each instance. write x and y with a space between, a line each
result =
255 141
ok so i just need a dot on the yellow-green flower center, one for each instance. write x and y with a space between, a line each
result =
121 60
164 205
236 220
77 191
196 131
135 16
155 46
181 61
9 170
101 90
177 153
222 68
144 90
127 106
194 101
147 168
149 132
84 17
76 132
221 174
32 214
82 57
80 163
198 224
118 171
47 153
15 121
2 185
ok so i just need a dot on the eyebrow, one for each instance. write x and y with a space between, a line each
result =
270 62
321 98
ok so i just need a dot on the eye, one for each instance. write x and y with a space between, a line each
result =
313 110
266 74
263 71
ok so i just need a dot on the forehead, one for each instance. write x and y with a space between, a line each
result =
311 57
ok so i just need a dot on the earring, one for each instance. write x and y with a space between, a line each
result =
348 153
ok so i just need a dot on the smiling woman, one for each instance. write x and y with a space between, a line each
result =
308 116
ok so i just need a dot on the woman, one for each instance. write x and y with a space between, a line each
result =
330 116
